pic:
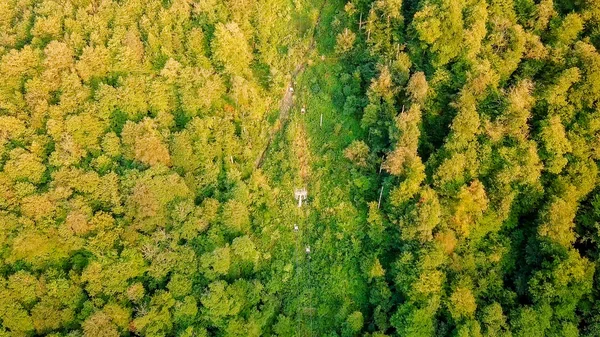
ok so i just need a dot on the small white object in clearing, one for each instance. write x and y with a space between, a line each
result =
300 195
303 110
295 228
291 89
308 250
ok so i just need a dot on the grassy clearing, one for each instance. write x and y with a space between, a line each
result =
333 285
334 221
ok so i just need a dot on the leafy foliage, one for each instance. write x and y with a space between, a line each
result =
449 148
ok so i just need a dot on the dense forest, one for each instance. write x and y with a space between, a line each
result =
150 151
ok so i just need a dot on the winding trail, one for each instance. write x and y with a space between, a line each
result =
287 101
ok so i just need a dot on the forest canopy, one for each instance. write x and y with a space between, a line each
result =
153 154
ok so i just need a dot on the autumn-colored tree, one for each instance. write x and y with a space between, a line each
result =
230 49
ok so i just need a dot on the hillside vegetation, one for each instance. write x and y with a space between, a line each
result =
150 150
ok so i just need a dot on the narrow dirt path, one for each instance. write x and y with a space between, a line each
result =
287 101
